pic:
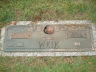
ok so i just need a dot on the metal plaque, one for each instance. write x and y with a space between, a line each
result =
20 35
52 37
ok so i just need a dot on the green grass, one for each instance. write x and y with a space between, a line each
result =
40 10
48 64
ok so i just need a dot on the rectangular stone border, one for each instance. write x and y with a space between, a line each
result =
89 53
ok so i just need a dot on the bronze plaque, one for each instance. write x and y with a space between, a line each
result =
20 35
76 34
52 37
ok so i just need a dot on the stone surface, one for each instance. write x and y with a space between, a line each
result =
51 53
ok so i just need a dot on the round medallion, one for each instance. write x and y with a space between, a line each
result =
49 29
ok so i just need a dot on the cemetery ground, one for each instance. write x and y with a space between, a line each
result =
41 10
48 64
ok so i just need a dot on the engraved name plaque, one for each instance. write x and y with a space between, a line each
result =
76 34
20 35
52 37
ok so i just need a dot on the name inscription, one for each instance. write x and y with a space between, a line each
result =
76 34
48 44
20 35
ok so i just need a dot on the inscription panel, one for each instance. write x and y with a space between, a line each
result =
20 35
65 37
76 34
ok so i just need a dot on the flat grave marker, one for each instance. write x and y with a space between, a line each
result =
48 38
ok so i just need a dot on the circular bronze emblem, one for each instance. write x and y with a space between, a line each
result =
49 29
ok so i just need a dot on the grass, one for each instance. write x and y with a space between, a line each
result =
40 10
48 64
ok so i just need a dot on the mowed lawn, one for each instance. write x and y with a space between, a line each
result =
40 10
48 64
